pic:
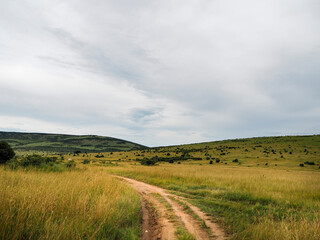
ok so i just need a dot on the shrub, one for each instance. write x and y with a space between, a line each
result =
149 162
309 163
6 152
13 164
36 160
301 165
235 160
70 164
211 162
217 160
86 161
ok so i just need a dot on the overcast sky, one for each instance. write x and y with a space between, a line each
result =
160 72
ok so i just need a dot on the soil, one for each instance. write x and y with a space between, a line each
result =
156 220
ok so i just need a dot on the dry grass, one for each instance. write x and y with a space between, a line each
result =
83 204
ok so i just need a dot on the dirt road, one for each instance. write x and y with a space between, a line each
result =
164 213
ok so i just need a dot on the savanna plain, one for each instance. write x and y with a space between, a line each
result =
257 188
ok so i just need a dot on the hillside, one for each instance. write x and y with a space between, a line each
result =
288 151
62 143
271 152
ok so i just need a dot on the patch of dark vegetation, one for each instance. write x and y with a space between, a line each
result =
86 161
169 159
309 163
6 152
41 163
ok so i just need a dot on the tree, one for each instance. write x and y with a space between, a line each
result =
6 152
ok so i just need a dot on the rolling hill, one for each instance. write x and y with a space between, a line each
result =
62 143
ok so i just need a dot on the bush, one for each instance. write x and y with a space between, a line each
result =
301 165
217 160
70 164
6 152
41 163
309 163
149 162
86 161
235 160
13 164
211 162
37 160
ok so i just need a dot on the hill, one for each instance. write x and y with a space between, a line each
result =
286 151
271 152
62 143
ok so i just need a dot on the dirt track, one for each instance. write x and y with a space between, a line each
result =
158 221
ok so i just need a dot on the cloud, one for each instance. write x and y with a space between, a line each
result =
161 72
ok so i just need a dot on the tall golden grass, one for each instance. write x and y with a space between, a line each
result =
83 204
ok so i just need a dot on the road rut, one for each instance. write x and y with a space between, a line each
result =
157 223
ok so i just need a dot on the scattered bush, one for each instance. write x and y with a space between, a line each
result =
211 162
235 160
301 165
40 162
36 160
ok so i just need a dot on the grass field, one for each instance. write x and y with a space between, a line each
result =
79 204
271 191
252 203
258 188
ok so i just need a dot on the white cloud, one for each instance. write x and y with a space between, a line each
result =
160 72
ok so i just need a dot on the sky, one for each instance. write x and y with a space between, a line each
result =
160 72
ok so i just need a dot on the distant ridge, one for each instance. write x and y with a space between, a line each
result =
63 143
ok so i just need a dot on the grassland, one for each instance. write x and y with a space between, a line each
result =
258 188
60 143
79 204
261 188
